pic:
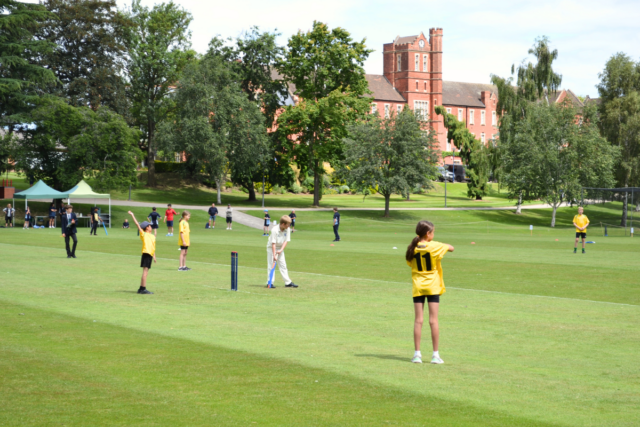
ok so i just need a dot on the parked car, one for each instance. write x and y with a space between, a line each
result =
459 171
444 175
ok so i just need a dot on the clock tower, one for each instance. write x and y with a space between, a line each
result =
413 65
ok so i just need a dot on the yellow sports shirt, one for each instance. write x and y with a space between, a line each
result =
426 269
581 221
184 240
148 243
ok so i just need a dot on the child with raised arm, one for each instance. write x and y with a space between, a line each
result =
581 222
148 251
184 240
424 256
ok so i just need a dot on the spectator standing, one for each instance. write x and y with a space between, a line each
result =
267 222
52 214
95 221
154 218
229 217
336 224
27 218
168 218
213 212
292 215
9 213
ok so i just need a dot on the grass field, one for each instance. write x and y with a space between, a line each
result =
532 335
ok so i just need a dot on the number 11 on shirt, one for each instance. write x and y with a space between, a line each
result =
427 259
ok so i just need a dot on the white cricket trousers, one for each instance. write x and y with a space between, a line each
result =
282 265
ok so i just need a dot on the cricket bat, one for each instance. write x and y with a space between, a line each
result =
271 274
105 228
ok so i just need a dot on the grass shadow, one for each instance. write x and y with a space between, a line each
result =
385 356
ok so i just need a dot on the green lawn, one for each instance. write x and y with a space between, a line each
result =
532 335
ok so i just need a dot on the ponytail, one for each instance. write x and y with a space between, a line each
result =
422 229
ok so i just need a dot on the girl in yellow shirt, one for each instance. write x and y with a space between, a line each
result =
424 256
184 240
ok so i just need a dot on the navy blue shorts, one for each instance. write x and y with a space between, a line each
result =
154 226
583 235
169 223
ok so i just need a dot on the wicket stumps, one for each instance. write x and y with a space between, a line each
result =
234 271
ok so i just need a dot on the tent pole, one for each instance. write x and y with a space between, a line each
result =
110 219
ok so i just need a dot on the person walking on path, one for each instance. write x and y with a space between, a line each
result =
27 218
95 221
267 222
52 214
9 213
278 240
168 218
213 212
148 252
229 217
69 230
336 224
154 218
292 215
184 241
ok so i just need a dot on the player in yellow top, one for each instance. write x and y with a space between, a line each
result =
424 256
581 223
184 240
148 251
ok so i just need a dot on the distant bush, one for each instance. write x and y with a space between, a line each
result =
278 190
344 189
296 189
267 187
167 167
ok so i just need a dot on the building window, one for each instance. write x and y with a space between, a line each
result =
425 67
374 108
459 114
472 119
421 109
387 109
417 68
482 137
425 86
399 62
416 85
482 114
448 146
399 107
493 118
448 110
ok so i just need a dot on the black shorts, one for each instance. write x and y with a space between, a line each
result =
8 219
583 235
146 261
429 298
154 226
229 220
265 224
184 247
169 223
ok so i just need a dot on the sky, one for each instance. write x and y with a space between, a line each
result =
480 37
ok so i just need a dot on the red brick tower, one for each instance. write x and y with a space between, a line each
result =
413 65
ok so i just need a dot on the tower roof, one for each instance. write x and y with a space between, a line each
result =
405 40
382 89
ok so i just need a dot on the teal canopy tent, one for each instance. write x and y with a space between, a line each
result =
39 191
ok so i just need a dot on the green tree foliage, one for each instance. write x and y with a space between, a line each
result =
392 155
20 76
67 144
533 83
326 67
619 112
556 155
472 152
159 43
89 56
216 124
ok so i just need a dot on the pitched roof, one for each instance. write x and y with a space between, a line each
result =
465 94
588 100
382 89
405 40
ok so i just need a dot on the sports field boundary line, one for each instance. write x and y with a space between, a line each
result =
354 278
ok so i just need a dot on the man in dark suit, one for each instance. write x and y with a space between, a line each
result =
69 230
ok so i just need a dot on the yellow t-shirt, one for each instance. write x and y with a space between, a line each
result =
426 269
184 240
148 243
582 221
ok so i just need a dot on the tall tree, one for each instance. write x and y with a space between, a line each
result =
89 56
533 83
326 67
472 152
159 43
66 144
391 154
619 111
21 79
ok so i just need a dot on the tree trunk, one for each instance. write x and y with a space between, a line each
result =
151 164
219 188
387 198
553 215
317 189
519 205
625 206
252 192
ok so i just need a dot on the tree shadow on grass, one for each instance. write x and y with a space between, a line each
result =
385 356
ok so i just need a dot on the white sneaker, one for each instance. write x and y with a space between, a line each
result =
416 359
436 360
